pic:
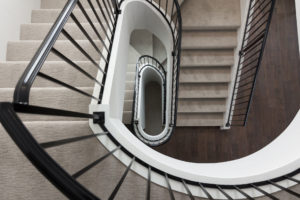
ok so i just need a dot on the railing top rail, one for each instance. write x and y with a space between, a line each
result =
22 90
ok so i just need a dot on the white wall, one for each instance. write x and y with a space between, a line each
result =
13 13
298 20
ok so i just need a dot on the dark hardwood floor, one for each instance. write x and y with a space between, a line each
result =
276 101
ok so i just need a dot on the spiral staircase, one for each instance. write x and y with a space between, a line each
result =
72 112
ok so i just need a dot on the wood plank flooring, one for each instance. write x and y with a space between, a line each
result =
276 101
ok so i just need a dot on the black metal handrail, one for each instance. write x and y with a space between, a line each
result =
105 34
151 62
250 56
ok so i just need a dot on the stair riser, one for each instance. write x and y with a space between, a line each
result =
39 31
201 105
57 4
200 119
205 75
50 16
204 57
194 90
210 39
211 13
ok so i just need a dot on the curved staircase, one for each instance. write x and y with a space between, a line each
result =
93 162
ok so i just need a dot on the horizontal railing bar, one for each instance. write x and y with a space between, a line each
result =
256 2
243 193
264 192
93 164
243 85
247 77
224 193
49 78
169 187
239 109
21 108
70 62
253 45
248 64
92 25
244 90
237 115
247 57
261 10
235 99
56 143
257 37
188 190
285 189
237 104
259 27
206 192
88 37
248 70
115 191
258 21
67 35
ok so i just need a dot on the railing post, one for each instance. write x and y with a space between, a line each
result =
116 7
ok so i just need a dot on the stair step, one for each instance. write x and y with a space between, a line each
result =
59 4
12 71
59 98
130 85
200 119
24 50
205 75
192 105
38 31
131 68
127 116
201 105
128 105
18 172
209 90
129 95
130 76
207 57
50 16
211 13
209 39
189 119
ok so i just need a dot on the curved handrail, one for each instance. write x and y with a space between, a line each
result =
22 90
144 62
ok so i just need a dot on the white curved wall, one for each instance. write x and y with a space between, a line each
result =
278 158
13 13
